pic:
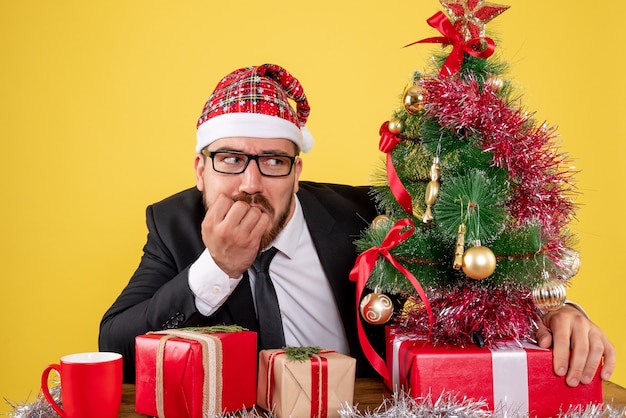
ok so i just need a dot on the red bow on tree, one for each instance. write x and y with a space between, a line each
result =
363 266
388 142
475 46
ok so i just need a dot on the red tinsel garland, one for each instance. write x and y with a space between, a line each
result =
496 315
537 172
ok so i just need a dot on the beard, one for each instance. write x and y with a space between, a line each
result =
258 199
277 226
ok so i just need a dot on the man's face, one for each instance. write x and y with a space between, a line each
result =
272 195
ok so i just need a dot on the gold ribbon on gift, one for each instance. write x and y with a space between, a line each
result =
211 363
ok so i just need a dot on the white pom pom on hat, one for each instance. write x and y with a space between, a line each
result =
254 102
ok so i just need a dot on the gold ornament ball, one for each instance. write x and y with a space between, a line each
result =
549 295
478 262
380 221
411 305
414 99
376 308
495 82
395 126
571 262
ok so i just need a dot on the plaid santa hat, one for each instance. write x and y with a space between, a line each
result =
254 102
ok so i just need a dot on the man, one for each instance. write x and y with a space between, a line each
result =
199 265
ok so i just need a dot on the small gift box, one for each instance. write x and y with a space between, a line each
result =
305 382
510 378
195 372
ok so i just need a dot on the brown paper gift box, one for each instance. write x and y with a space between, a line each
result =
317 387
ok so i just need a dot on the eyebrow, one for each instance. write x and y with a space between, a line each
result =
264 152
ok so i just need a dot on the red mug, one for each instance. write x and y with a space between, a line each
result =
91 385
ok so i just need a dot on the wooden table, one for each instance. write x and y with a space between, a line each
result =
369 393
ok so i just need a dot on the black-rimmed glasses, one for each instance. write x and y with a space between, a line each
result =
235 162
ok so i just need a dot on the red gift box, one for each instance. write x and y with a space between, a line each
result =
191 374
316 388
510 378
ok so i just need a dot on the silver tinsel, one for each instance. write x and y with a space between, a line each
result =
447 405
250 413
403 405
39 408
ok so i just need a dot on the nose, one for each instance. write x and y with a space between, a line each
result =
251 179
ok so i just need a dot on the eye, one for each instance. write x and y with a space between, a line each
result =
275 161
231 159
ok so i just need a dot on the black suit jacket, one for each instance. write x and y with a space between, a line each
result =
158 294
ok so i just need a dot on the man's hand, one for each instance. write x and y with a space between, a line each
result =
232 233
568 328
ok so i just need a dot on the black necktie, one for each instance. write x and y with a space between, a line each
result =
270 324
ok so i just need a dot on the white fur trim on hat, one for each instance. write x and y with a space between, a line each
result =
252 125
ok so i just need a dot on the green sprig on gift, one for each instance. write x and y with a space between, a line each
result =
215 329
301 353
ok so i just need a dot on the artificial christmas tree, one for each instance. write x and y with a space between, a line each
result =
474 240
476 200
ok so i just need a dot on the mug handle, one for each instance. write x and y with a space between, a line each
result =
46 390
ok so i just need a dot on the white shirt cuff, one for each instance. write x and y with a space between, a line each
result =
577 306
209 284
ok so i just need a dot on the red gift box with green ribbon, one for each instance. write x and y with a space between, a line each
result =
311 383
195 372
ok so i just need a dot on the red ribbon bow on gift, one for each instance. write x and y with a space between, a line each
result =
451 36
361 271
388 142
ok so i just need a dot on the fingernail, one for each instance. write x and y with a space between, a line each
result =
561 371
572 381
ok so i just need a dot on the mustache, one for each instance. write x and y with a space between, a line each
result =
257 199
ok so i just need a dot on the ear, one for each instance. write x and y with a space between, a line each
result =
298 169
199 166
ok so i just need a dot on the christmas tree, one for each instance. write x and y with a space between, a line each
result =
476 200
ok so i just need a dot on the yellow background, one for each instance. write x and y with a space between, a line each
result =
98 103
